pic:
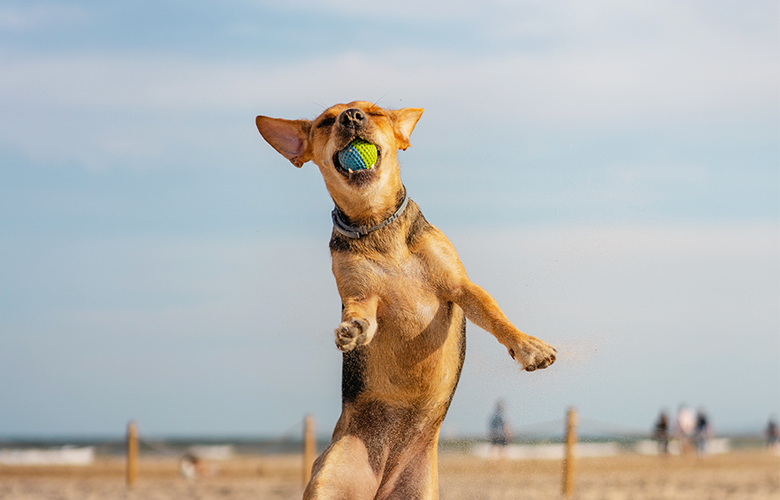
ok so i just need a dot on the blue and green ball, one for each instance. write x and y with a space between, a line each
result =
359 155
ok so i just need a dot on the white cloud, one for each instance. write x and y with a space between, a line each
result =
99 108
611 67
562 23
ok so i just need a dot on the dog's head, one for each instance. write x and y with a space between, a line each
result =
321 140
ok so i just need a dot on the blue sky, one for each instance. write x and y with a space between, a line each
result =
609 171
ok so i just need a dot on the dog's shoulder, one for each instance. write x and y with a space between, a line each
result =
418 225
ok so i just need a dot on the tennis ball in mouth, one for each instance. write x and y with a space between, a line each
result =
359 155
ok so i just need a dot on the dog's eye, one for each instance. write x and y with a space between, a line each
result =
327 122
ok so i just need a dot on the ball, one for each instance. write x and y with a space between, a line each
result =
359 155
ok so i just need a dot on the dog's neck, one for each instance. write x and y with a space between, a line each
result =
370 203
355 232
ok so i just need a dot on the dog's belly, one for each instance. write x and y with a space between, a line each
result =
417 353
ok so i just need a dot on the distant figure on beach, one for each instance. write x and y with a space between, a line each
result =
772 435
661 433
191 466
498 431
686 424
702 432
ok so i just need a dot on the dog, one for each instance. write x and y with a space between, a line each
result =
405 299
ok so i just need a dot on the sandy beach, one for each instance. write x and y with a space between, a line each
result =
741 475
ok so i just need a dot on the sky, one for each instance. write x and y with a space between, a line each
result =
608 170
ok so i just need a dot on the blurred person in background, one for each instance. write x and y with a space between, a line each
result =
661 433
498 430
686 424
702 432
772 435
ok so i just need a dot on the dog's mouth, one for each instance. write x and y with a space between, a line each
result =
359 157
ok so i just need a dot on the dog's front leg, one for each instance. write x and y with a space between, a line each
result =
445 269
358 323
482 309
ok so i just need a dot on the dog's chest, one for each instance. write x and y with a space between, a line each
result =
406 292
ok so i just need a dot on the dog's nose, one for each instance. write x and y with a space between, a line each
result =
353 118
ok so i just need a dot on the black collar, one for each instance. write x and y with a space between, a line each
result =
356 232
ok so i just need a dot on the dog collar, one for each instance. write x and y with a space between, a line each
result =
356 232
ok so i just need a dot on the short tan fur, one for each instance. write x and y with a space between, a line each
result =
405 297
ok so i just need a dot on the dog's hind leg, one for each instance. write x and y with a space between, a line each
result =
343 472
417 479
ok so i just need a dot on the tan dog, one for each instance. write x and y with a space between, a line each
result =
405 299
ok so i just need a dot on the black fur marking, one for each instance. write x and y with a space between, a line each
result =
339 243
326 122
352 373
418 226
375 424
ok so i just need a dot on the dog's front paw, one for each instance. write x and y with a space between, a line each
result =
352 334
532 353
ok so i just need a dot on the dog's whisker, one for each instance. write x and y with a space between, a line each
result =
318 104
376 103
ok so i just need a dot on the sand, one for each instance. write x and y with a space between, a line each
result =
748 475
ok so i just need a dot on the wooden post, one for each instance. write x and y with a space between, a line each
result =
568 461
132 454
309 447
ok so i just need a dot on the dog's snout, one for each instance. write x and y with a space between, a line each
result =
353 118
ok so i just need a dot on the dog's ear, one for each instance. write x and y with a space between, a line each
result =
404 121
288 137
